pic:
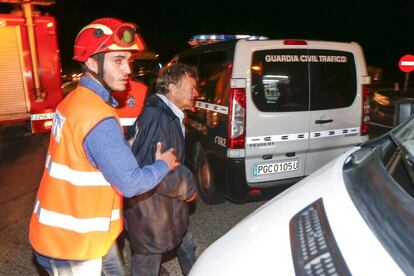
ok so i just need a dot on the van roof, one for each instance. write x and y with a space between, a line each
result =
203 39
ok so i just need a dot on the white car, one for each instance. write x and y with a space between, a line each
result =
354 216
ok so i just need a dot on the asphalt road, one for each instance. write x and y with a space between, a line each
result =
21 166
20 171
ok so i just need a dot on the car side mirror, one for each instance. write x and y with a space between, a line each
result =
404 108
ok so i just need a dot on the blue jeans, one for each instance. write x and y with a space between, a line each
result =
111 262
149 265
108 265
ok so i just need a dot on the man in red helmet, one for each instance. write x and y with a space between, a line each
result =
89 166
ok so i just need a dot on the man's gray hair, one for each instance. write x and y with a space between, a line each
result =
173 74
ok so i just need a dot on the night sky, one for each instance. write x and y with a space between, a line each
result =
384 28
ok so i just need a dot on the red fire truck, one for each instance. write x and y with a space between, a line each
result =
30 69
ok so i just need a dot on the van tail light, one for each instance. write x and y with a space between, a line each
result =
365 110
237 118
294 42
255 192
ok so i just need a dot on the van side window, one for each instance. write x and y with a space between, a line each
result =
214 77
333 79
280 80
190 60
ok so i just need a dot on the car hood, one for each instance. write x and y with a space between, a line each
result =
260 244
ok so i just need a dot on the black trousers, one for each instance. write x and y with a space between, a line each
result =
149 265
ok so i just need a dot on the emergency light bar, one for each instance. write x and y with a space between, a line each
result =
198 40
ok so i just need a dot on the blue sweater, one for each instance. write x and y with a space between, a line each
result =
107 149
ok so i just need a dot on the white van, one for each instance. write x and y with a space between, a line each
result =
353 216
270 112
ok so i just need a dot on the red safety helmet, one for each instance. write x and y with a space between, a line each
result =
106 35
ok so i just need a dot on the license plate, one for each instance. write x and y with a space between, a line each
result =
41 116
276 167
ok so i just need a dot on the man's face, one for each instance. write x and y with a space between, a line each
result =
117 69
184 92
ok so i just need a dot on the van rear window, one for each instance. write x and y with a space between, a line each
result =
301 79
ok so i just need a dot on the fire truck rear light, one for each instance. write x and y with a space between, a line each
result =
295 42
47 124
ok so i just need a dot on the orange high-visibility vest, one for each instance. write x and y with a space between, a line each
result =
130 102
77 214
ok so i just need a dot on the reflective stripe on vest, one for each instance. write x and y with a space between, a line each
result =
79 225
127 121
74 177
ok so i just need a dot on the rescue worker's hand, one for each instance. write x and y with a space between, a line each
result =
169 156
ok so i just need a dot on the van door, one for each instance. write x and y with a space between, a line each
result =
335 106
277 115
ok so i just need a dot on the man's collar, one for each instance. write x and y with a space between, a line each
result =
178 112
98 89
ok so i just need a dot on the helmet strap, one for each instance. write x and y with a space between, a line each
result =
100 58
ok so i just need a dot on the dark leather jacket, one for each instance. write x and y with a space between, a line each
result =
157 221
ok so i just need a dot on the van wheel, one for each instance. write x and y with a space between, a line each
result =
206 186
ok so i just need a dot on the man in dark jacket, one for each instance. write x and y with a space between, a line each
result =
157 221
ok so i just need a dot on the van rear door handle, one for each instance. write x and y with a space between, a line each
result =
323 121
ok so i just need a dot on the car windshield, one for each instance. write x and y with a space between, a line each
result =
405 137
380 181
